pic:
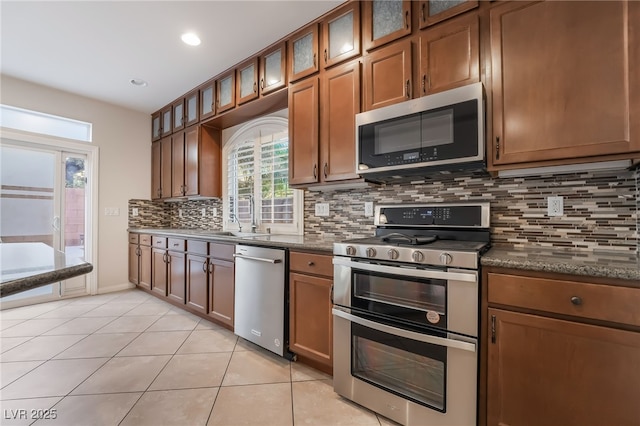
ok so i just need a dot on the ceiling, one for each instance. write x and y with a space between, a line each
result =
94 48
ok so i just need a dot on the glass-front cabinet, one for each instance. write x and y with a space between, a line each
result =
273 64
226 91
341 34
303 51
385 21
207 99
178 115
165 123
433 11
156 126
191 115
247 83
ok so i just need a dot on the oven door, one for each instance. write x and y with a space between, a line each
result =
440 298
408 376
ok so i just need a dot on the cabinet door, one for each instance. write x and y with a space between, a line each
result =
564 95
310 320
543 371
387 75
177 164
303 53
341 34
209 162
385 21
340 104
207 100
134 264
191 112
197 282
176 275
221 290
156 170
433 11
156 126
166 126
165 167
226 92
159 271
273 65
247 84
191 172
178 115
450 55
303 131
145 267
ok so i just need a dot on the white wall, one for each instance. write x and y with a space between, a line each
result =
124 139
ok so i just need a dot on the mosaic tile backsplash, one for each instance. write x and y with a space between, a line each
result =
601 209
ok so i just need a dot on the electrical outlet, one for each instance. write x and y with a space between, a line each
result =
179 212
204 212
112 211
134 212
322 209
368 208
555 206
215 212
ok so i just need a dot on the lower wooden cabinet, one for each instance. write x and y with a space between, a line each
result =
221 290
548 365
176 276
159 271
310 319
140 260
197 282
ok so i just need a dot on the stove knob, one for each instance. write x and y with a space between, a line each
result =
417 256
351 251
393 254
371 252
445 258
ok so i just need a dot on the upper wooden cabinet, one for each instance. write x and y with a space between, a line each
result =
384 22
247 81
387 75
191 108
178 115
156 125
207 97
433 11
273 68
161 169
166 125
566 82
341 34
226 91
303 52
303 131
450 54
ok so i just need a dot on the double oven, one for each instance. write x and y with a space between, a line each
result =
406 316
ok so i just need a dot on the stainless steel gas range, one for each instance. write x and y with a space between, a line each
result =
406 313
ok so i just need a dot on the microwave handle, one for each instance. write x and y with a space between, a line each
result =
471 277
426 338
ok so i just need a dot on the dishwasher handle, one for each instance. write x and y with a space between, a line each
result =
259 259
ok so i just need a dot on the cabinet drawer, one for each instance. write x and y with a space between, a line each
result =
159 242
177 244
595 301
197 247
307 263
133 238
222 251
145 239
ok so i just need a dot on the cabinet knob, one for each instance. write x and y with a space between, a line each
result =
262 83
576 300
326 167
310 263
408 89
325 56
315 171
406 19
255 87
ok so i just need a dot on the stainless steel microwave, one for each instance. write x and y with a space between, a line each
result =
439 132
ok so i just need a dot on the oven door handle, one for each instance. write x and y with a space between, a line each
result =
426 338
471 277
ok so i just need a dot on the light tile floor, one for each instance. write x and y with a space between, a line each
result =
128 358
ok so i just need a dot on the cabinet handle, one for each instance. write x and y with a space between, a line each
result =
331 293
204 267
406 19
315 171
423 14
424 83
314 60
576 300
325 56
493 328
176 244
497 147
310 263
255 87
262 83
210 268
326 166
408 89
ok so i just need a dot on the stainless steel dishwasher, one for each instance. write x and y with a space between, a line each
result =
260 297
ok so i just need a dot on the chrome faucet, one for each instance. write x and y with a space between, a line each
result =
233 217
252 207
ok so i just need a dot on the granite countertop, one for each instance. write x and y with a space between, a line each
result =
24 266
312 243
606 264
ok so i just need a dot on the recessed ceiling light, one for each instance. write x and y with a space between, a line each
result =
138 82
191 39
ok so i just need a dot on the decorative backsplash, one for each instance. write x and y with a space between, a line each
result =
601 209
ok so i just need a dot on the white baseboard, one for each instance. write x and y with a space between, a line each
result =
116 287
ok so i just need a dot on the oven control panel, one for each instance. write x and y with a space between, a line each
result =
461 215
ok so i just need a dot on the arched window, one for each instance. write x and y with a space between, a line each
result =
256 185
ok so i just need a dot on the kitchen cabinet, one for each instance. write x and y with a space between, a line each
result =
273 68
197 275
434 11
134 259
561 349
226 92
310 299
140 260
303 131
247 81
176 259
341 34
384 22
563 96
166 126
178 143
221 283
178 115
161 169
207 100
303 52
387 75
159 266
185 111
156 126
450 54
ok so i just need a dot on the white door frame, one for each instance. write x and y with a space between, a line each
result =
92 152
